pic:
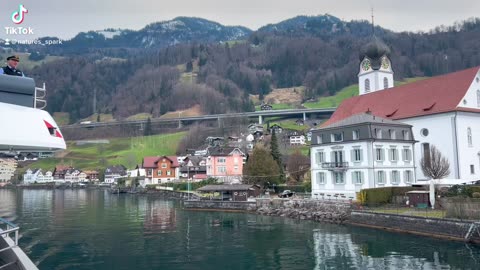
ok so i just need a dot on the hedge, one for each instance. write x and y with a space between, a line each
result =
381 195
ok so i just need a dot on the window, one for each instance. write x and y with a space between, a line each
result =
379 154
395 177
169 173
407 176
391 134
385 83
337 156
406 135
164 165
367 85
357 178
221 160
320 178
469 137
478 98
222 169
426 151
319 139
381 177
235 168
159 173
235 160
472 169
407 155
338 178
337 137
424 132
320 157
356 134
378 133
393 155
357 155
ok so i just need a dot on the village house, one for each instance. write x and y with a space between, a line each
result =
37 176
275 128
75 176
294 137
113 173
92 176
359 152
194 168
60 171
162 169
8 165
225 164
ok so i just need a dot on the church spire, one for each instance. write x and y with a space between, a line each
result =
373 24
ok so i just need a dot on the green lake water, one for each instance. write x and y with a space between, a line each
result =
92 229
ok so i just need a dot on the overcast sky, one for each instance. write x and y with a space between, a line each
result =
65 18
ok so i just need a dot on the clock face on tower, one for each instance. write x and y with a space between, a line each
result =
385 63
366 65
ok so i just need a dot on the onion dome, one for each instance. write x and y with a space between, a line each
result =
375 50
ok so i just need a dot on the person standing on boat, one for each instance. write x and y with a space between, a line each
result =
11 67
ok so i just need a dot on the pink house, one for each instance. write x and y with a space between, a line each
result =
225 164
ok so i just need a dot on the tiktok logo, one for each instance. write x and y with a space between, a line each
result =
19 16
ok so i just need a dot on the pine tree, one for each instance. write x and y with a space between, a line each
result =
277 156
260 168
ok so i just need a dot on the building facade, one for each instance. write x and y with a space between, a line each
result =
7 169
37 176
225 164
362 151
162 169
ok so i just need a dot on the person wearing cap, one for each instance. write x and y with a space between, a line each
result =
11 67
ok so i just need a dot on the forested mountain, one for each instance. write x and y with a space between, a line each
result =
318 52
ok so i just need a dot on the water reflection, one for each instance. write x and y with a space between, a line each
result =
358 248
93 229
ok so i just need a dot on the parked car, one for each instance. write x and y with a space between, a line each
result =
286 194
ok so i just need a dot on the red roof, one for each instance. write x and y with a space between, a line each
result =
151 162
436 95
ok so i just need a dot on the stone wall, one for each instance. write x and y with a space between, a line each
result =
439 228
219 205
317 210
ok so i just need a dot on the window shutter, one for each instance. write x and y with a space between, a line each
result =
352 155
361 177
353 178
332 156
317 157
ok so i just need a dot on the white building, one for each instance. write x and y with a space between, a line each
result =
75 176
444 111
359 152
7 169
37 176
375 69
297 140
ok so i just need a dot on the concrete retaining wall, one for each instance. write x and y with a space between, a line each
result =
173 195
438 228
219 205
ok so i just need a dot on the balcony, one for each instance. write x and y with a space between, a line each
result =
335 166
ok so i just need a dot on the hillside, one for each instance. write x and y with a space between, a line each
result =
126 151
318 52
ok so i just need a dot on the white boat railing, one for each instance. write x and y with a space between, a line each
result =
39 98
10 228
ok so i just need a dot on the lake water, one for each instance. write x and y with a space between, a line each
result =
92 229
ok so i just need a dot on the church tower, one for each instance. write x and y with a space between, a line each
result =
375 67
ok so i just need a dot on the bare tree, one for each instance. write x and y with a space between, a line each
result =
434 164
298 165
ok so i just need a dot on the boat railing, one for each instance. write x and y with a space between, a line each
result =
39 101
7 229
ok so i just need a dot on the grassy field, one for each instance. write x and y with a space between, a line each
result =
139 116
126 151
61 118
289 124
348 92
282 106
